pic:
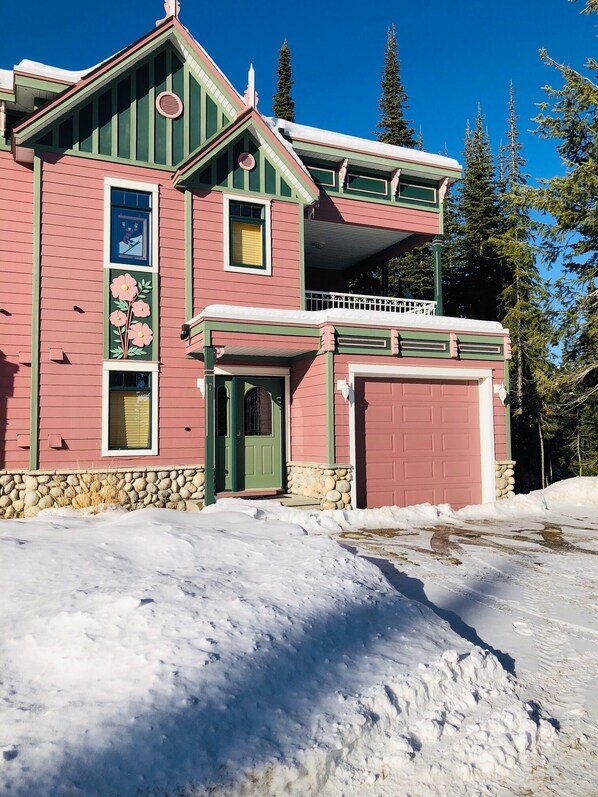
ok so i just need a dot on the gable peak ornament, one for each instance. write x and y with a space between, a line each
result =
251 96
172 8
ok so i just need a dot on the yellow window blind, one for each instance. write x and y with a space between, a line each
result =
129 419
247 243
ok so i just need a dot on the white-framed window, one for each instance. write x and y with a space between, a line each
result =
129 408
247 237
130 224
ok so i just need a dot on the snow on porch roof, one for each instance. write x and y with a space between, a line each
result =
372 318
329 138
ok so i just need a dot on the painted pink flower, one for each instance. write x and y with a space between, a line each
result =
140 309
140 334
118 319
124 287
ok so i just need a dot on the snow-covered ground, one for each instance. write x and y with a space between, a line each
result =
397 652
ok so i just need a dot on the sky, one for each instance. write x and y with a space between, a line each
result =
453 56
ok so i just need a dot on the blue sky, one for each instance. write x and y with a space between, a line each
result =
453 55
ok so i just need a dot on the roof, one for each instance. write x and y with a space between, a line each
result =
316 135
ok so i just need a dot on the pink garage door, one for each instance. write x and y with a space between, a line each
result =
417 441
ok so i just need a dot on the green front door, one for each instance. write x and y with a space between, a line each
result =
249 433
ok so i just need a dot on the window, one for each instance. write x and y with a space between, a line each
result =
131 224
130 411
258 412
247 235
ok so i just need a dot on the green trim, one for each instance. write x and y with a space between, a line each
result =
301 209
188 255
437 258
35 321
232 430
20 81
329 405
508 409
210 423
109 158
265 329
495 339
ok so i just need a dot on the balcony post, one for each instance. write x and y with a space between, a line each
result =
437 257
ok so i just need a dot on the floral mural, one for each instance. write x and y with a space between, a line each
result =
129 335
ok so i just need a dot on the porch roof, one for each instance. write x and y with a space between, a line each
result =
369 318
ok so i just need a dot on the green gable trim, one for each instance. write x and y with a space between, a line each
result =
220 169
122 123
39 84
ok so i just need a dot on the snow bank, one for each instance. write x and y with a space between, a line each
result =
155 651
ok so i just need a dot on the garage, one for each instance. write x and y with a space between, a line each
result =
417 441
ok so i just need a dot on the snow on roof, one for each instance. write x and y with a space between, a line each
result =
343 141
373 318
286 144
6 79
53 72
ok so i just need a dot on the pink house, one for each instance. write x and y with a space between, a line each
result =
175 317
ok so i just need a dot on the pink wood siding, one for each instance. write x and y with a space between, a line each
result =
372 214
308 410
73 273
214 285
417 441
341 408
16 260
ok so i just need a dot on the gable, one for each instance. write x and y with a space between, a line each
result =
113 114
223 171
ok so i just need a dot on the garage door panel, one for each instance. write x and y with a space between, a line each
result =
418 442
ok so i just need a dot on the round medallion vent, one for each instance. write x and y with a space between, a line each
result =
246 160
169 105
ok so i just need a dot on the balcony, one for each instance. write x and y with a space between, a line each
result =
326 300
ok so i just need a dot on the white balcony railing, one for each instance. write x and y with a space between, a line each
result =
325 300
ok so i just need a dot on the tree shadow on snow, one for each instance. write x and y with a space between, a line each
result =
413 588
263 709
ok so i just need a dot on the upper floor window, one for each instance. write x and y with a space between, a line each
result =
131 224
247 235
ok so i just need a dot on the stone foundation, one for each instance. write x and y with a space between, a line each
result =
505 478
25 493
332 484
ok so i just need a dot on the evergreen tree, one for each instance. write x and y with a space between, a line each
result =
479 274
570 116
524 309
283 105
393 128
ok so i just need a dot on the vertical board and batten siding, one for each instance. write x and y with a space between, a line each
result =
72 273
341 408
308 410
213 285
371 214
16 258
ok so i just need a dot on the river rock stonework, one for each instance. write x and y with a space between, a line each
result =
331 484
505 479
25 493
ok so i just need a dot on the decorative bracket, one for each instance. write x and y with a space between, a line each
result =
443 188
219 351
395 342
453 344
394 182
201 384
342 173
328 338
508 351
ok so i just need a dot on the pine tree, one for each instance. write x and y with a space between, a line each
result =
524 308
393 128
570 116
283 105
479 273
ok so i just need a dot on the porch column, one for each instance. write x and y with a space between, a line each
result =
437 257
209 357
